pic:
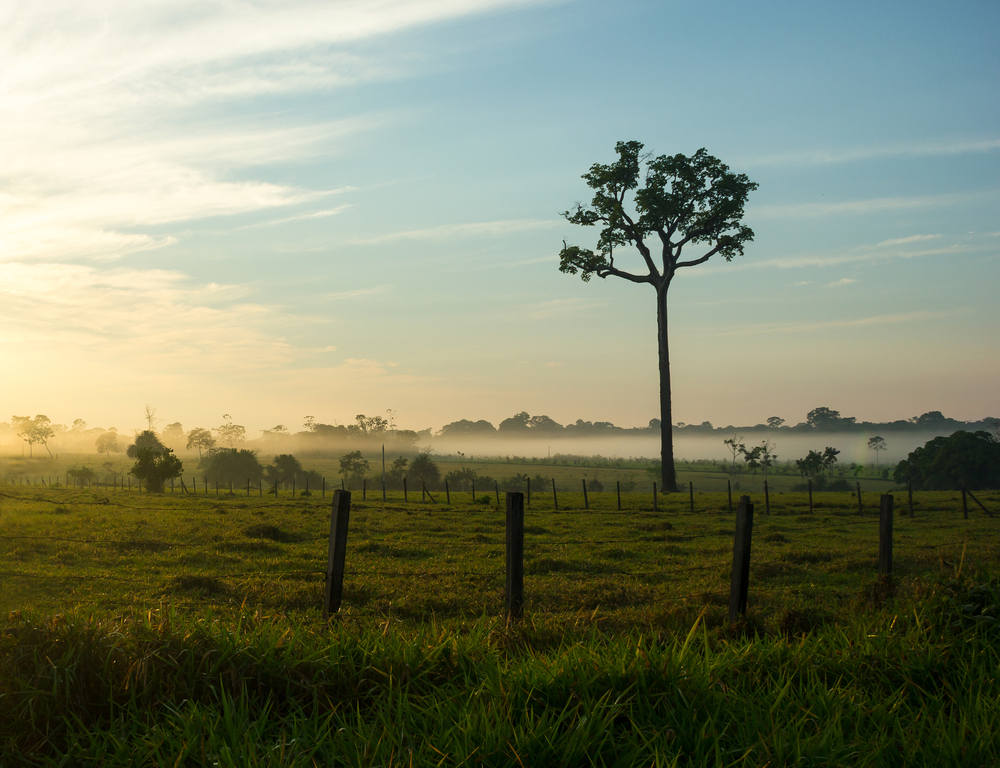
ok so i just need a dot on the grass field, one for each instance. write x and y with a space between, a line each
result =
212 605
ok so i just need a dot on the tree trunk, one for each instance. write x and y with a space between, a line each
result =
668 477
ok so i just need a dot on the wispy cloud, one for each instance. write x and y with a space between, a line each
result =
113 117
862 322
829 156
870 206
353 294
453 231
841 282
560 307
906 240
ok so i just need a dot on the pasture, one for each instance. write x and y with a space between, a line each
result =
117 600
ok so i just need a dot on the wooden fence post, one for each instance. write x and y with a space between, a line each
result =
618 489
555 499
406 496
810 496
447 492
741 560
339 517
691 491
965 504
979 503
885 535
654 497
473 491
496 487
514 583
171 485
586 501
860 508
767 500
527 499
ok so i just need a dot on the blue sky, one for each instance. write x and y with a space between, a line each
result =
275 210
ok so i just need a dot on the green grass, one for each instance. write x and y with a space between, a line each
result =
180 630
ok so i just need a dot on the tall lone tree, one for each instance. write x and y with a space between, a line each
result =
682 202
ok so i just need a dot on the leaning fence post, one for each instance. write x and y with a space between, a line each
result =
586 501
405 495
741 560
339 518
496 487
767 500
447 492
555 499
860 509
618 488
885 535
514 583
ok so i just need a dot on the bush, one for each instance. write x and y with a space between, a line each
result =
971 459
232 465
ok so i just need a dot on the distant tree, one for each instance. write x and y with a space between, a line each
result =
275 433
876 444
830 458
752 458
964 458
150 417
146 439
465 427
108 443
683 201
371 425
811 465
229 433
309 423
775 421
827 420
516 423
36 430
174 431
544 424
736 447
353 466
154 467
423 469
200 438
461 479
82 475
79 426
231 465
767 456
396 473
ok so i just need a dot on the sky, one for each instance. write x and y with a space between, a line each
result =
284 209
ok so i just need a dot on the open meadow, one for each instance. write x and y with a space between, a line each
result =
181 629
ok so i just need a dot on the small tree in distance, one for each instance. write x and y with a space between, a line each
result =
155 467
876 444
200 438
682 201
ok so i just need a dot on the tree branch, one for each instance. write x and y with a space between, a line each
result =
701 260
603 272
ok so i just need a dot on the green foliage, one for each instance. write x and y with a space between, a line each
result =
108 443
200 438
353 466
154 467
964 458
231 465
229 433
145 440
424 470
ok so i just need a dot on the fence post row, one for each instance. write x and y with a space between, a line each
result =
514 582
741 560
885 535
340 515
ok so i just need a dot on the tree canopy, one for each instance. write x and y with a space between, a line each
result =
964 458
